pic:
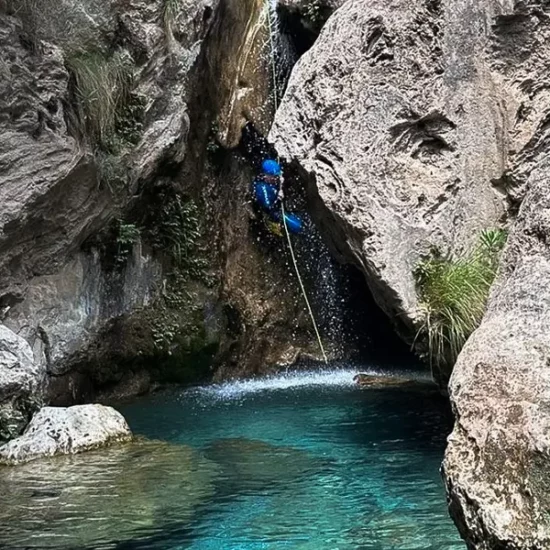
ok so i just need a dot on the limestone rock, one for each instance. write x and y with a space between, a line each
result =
55 293
497 466
396 124
19 384
57 430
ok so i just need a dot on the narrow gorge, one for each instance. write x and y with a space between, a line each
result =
265 265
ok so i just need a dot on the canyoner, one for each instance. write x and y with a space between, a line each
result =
269 191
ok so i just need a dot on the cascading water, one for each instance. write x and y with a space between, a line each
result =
333 378
328 286
281 55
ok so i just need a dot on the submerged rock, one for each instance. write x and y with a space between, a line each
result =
72 430
102 498
256 464
375 381
396 124
19 384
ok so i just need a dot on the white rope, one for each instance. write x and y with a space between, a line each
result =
271 30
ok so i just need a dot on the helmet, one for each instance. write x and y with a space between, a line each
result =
271 167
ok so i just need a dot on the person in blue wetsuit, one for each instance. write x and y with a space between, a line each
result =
268 194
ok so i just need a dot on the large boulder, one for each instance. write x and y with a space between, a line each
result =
58 430
395 122
19 384
497 465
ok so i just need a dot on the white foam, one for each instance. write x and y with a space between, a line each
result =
292 379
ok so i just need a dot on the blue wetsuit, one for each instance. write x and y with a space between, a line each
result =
266 195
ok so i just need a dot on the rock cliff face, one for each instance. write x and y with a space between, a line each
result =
89 272
58 188
399 128
497 466
418 124
20 384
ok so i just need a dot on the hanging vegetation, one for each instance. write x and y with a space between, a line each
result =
453 295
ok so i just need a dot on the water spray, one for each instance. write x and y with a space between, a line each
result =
271 7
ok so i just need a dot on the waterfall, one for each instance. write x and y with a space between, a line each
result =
281 54
326 282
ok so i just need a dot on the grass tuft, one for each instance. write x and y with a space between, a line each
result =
170 13
453 295
103 87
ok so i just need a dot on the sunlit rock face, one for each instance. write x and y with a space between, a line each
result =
102 498
399 128
58 430
497 466
244 77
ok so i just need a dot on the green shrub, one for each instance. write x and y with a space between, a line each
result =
315 13
178 232
102 86
127 235
453 295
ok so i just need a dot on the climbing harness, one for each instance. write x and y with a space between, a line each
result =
284 216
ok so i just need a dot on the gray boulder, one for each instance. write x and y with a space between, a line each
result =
57 430
394 121
19 384
496 466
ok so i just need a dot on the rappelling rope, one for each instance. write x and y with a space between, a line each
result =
271 30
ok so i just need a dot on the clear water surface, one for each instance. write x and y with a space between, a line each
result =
298 462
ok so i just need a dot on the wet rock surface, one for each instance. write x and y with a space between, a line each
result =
58 430
375 381
102 498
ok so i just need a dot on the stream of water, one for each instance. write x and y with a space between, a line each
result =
300 461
